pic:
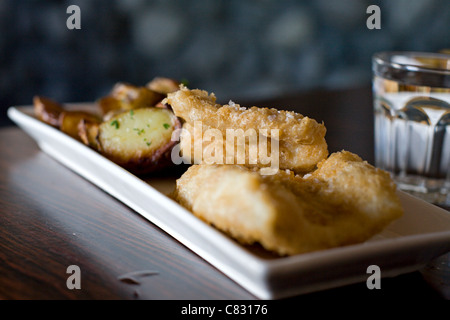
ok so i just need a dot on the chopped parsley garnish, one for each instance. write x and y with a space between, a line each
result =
166 125
148 143
131 113
139 131
185 82
115 123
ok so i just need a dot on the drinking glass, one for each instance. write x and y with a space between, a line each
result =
411 93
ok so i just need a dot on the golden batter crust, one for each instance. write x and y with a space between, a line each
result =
301 140
344 201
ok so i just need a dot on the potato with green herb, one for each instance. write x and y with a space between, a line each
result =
139 140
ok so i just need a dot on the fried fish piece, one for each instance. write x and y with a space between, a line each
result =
300 140
345 201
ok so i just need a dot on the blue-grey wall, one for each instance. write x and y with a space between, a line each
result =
238 49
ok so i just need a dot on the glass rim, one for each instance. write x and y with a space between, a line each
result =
385 58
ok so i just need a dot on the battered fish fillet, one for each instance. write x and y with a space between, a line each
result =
345 201
301 140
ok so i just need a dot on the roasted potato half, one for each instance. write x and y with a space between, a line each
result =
69 122
54 114
126 96
138 140
47 110
163 85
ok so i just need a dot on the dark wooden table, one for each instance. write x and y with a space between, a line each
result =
51 218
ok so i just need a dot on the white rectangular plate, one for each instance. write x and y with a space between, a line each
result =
408 244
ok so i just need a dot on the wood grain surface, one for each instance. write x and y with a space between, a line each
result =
51 218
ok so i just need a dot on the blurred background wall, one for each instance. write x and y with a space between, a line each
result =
239 49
